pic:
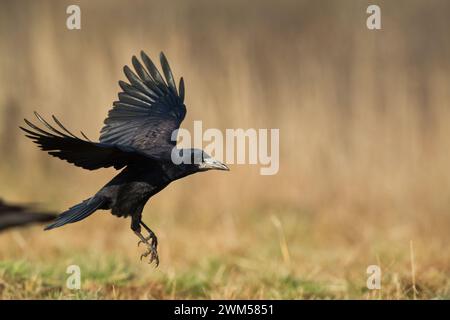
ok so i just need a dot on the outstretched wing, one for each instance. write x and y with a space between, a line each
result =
82 153
149 108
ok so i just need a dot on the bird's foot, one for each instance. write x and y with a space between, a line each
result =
152 247
152 251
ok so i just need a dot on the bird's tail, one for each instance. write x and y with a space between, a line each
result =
77 212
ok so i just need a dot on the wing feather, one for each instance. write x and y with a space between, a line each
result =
153 70
168 74
149 108
82 153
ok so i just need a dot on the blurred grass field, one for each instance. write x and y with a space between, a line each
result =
364 149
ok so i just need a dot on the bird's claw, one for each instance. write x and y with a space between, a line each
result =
144 255
151 249
153 252
140 241
152 238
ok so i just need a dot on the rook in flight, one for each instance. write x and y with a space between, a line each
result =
136 137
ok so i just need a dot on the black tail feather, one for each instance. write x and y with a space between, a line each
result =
77 212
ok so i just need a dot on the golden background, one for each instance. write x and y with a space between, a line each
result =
364 148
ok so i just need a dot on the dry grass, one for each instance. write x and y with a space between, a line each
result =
365 149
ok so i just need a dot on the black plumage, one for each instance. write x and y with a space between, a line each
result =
139 137
15 215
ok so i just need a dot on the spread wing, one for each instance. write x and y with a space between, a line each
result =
149 108
61 143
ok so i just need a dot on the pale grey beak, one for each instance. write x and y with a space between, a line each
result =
213 164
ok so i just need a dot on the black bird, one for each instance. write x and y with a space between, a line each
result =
15 215
139 136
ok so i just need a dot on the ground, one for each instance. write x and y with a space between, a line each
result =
273 259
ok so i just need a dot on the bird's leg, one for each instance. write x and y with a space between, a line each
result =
151 235
151 247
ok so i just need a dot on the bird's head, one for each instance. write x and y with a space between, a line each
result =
199 160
